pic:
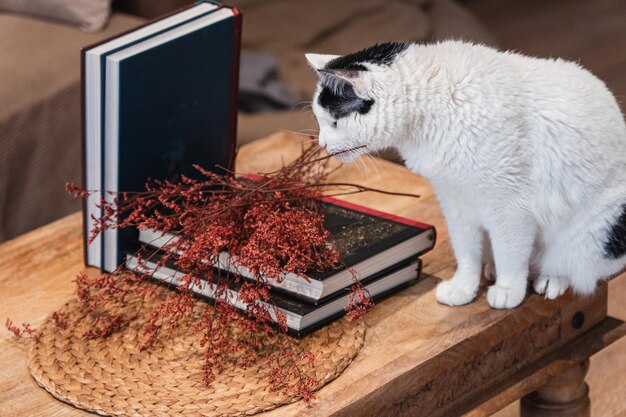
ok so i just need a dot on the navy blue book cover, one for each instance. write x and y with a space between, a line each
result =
177 108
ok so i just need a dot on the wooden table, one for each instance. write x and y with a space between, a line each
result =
420 358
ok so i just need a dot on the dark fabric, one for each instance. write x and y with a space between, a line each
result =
259 87
150 9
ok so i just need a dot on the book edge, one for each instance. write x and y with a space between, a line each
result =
134 28
418 263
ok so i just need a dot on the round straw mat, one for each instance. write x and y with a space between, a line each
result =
110 376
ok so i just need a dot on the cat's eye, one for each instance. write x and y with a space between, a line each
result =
335 123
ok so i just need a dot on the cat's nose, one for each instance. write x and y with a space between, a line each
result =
322 143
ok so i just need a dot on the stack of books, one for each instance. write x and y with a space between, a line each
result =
382 249
163 97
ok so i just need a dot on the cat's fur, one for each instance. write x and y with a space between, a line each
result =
527 156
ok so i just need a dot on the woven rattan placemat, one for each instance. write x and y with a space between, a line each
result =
111 376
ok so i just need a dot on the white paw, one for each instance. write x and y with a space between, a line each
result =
490 271
448 292
500 297
551 286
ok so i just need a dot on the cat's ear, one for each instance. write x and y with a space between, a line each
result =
319 61
336 79
339 75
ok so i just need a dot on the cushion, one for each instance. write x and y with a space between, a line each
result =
43 57
88 15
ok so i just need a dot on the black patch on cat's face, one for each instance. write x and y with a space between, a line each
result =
343 103
615 246
381 54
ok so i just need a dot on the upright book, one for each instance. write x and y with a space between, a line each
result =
156 101
370 242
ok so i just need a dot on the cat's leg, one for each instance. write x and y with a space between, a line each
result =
551 280
552 286
466 239
512 236
490 267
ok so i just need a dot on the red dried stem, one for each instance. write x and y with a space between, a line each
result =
24 331
272 224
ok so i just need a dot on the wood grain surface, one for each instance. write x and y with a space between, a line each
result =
418 355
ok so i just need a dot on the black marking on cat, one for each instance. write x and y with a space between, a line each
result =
615 246
344 102
381 54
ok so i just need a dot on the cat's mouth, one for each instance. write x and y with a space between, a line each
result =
350 155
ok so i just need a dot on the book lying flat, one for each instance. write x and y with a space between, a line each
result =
302 318
369 241
156 101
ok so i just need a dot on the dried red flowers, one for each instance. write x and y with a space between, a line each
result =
272 224
24 331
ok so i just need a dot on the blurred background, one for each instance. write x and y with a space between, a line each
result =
40 40
40 116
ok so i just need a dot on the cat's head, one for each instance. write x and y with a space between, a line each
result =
356 101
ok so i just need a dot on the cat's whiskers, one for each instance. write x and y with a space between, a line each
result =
300 133
360 168
371 164
374 164
313 132
360 160
368 162
349 152
306 142
302 105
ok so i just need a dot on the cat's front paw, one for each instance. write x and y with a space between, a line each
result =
501 297
450 293
551 286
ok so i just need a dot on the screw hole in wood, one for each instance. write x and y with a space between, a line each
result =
578 320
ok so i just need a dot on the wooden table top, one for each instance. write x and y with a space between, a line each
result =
418 354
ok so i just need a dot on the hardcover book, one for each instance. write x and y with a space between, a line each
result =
302 318
156 101
369 241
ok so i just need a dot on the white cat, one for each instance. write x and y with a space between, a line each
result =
527 157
